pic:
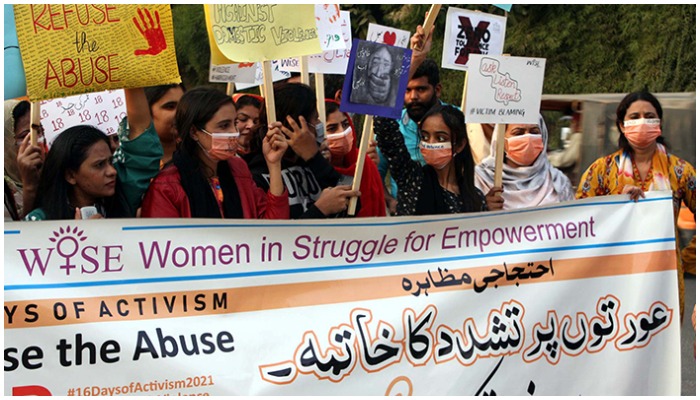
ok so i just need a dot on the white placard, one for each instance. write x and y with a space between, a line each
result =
387 35
471 32
241 72
329 62
504 89
329 24
103 110
277 75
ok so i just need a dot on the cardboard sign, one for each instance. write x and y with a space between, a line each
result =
376 79
277 75
470 32
81 48
328 62
261 32
387 35
577 298
103 110
330 27
504 89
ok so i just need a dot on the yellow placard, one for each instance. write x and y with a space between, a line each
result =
69 49
217 57
261 32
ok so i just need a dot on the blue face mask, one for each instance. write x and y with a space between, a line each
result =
320 133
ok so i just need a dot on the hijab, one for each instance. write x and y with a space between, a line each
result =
525 186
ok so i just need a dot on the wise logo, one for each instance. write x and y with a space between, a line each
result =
71 251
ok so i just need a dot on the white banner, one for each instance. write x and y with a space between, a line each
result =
102 109
504 89
471 32
579 298
387 35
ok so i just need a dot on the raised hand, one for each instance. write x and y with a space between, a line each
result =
152 32
274 144
300 139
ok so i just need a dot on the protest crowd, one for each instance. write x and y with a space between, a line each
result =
183 152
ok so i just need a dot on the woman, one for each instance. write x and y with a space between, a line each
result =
310 179
342 146
445 185
248 118
162 102
642 164
206 179
80 172
529 180
23 161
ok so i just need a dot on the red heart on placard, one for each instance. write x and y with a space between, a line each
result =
390 38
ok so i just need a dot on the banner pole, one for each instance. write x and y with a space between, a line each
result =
359 166
431 17
269 92
304 66
35 121
320 98
500 132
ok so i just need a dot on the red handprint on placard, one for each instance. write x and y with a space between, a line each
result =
152 32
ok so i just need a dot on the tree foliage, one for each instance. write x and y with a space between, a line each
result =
592 48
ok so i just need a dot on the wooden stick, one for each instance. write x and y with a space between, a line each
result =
269 92
320 98
34 121
229 88
500 131
464 92
304 66
359 166
431 17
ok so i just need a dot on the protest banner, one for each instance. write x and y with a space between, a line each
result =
579 298
15 83
71 49
470 32
104 110
262 32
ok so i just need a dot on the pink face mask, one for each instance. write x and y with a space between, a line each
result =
340 144
524 149
437 155
642 132
223 145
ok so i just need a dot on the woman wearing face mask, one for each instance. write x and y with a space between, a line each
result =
341 141
445 185
642 163
206 179
529 180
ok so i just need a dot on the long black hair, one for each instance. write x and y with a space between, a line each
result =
463 161
622 111
155 93
68 152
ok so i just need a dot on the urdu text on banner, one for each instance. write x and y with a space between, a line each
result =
578 298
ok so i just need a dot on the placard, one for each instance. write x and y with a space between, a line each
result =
103 110
376 79
277 75
239 72
471 32
71 49
15 83
387 35
262 32
504 89
328 62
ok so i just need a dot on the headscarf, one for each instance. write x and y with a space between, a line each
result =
11 168
659 166
529 186
372 203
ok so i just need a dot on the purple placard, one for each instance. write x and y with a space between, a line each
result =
376 79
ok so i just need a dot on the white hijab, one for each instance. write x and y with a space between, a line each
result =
532 186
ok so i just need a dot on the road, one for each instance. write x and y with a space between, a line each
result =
687 340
